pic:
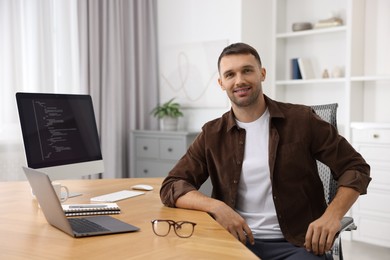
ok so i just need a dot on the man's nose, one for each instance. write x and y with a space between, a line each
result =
240 79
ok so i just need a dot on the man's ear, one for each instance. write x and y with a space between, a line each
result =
263 74
220 84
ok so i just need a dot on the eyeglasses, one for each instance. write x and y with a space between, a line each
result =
184 229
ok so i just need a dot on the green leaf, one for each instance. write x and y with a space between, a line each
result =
169 108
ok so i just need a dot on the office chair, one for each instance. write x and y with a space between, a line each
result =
328 113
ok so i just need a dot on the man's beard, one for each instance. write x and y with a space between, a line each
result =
252 99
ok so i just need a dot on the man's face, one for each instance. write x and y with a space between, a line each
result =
241 77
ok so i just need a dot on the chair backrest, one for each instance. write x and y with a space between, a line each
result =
327 112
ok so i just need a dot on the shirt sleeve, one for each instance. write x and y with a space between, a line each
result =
188 174
355 179
348 167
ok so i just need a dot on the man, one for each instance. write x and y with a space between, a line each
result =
261 159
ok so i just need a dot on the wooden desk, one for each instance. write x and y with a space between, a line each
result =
25 234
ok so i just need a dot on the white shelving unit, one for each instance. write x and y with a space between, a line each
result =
358 47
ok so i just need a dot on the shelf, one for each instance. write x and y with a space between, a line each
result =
331 80
342 28
310 81
370 78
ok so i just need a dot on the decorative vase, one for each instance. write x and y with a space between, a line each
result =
170 123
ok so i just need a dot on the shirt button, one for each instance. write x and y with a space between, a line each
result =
241 142
238 162
235 181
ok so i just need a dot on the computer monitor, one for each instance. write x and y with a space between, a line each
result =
60 134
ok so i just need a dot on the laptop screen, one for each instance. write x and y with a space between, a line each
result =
58 129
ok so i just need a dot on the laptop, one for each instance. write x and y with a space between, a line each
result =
75 227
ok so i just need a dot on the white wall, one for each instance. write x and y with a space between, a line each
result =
200 29
377 61
257 30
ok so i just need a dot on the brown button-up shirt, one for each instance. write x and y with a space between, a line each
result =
298 138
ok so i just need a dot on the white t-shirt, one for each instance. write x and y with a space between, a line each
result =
254 201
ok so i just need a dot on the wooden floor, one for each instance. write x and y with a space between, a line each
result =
353 250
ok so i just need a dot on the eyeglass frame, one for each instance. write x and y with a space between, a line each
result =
174 224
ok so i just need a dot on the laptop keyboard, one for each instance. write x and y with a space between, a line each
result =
82 225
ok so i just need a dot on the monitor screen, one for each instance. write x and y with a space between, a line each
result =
60 134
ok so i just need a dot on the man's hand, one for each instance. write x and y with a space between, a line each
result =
321 234
233 223
222 213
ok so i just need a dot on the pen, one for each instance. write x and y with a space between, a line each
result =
87 206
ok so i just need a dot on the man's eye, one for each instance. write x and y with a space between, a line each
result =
229 75
247 70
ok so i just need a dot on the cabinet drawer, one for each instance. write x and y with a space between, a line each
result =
149 169
171 149
375 203
155 153
146 147
375 152
378 136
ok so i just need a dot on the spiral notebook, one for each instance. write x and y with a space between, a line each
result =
90 209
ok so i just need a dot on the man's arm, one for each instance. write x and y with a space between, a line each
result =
221 212
321 232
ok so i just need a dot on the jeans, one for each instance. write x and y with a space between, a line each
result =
274 249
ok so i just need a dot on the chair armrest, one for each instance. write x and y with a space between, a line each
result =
347 224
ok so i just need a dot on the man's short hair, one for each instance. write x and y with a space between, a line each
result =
238 48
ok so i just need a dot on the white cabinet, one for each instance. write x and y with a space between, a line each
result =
372 211
358 47
155 153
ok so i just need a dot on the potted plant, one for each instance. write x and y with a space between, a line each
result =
169 112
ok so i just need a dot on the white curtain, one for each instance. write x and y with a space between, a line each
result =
119 64
105 48
39 53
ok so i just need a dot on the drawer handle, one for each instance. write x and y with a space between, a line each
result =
145 148
146 171
375 136
170 149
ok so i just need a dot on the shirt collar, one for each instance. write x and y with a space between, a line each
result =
231 121
273 108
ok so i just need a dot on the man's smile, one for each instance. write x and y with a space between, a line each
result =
242 91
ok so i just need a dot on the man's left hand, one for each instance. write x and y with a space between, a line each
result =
321 234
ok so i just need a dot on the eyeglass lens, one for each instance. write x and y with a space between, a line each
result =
182 228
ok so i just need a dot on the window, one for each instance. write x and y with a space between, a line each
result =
40 53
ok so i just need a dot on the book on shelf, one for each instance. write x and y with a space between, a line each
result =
326 23
90 209
306 68
295 70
